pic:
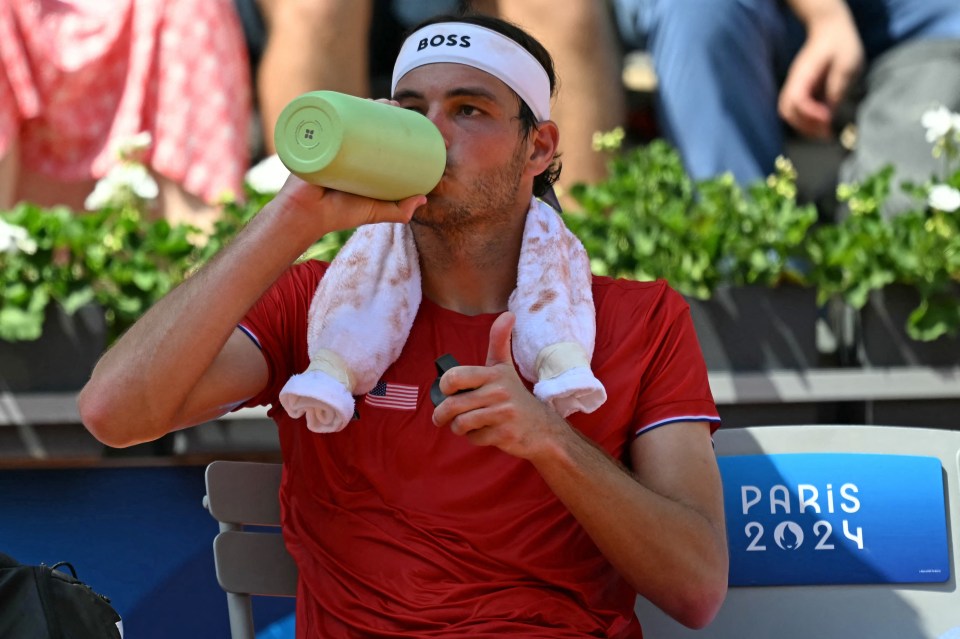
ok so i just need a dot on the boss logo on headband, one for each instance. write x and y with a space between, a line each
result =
452 40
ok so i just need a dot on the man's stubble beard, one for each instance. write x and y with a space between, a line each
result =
489 201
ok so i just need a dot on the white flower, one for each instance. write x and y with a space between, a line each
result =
103 193
10 236
15 239
944 198
939 122
268 175
132 146
138 178
123 180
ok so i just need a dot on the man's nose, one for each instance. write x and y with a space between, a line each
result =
442 122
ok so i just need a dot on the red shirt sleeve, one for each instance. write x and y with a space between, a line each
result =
277 323
675 386
648 350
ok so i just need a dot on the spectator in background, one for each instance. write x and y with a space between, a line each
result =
323 44
80 78
581 35
730 70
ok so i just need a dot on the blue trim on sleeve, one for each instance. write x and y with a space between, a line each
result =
249 333
674 420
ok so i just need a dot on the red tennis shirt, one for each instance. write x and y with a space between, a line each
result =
403 529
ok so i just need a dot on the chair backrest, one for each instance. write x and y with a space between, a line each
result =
248 561
929 609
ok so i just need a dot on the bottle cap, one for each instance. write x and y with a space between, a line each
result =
308 134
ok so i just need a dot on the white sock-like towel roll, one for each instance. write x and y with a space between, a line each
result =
359 320
365 305
556 321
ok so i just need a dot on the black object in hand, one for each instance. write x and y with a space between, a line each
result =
444 363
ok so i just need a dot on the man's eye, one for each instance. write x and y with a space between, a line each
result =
468 109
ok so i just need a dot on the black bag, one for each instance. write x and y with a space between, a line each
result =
41 602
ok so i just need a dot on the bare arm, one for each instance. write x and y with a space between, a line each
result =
183 362
582 40
830 60
661 527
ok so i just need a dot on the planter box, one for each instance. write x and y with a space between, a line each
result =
883 342
883 339
753 329
62 359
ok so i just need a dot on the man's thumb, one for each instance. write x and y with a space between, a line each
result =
500 339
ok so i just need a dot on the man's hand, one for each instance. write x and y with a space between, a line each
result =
322 210
827 65
339 211
495 408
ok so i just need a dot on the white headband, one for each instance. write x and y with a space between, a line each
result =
481 48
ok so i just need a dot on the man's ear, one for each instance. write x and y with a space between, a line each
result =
544 143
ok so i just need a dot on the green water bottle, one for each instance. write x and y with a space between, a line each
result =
360 146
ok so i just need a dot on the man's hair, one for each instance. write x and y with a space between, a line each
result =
528 121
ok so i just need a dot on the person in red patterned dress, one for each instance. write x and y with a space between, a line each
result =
490 514
78 78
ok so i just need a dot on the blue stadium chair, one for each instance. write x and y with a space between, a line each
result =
877 610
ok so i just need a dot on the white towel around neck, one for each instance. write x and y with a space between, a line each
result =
374 281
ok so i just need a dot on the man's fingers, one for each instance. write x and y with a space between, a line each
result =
805 113
839 82
499 350
813 118
465 410
407 207
401 212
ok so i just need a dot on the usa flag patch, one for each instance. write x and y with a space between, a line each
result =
391 395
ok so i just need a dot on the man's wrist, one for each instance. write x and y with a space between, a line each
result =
818 12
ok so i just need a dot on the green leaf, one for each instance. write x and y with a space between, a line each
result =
77 299
144 280
17 324
928 321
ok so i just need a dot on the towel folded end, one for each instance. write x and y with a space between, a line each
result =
575 390
326 403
